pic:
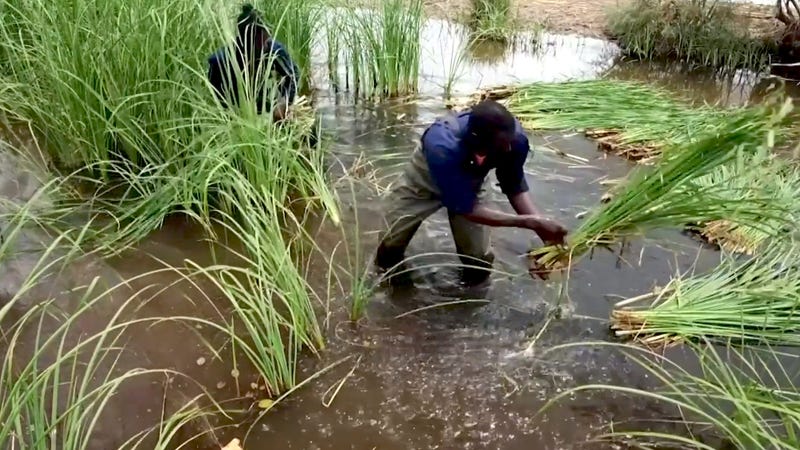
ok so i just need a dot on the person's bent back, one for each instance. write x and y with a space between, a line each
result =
256 56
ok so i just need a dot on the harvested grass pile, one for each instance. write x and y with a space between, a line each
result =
756 301
666 196
629 119
774 179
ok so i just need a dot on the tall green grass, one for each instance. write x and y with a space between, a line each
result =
92 89
492 19
379 46
702 32
295 23
740 399
126 109
740 302
665 196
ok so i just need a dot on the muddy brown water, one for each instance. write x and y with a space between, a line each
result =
448 377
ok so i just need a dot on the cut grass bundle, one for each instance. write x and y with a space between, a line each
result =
702 32
664 196
751 302
492 19
380 48
627 118
741 399
774 179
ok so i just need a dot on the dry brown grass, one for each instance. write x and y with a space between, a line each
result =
610 141
728 237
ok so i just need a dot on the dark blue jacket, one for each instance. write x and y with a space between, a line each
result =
222 76
452 169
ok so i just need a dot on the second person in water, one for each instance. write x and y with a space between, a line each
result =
261 61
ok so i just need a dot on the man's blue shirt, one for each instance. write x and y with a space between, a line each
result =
223 78
452 168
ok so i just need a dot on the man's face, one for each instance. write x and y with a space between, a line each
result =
483 149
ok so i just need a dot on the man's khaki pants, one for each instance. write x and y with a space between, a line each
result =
415 197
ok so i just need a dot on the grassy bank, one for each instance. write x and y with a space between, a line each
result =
706 33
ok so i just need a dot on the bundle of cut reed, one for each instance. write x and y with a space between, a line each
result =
756 301
665 196
627 118
775 179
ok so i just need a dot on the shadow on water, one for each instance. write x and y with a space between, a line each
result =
452 376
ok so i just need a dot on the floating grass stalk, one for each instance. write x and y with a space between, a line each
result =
740 302
739 399
699 32
664 196
626 118
57 377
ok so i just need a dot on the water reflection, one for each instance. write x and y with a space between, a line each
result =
703 86
450 56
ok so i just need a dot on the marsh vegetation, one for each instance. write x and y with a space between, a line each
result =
126 137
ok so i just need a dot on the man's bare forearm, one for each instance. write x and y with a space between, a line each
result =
492 218
523 204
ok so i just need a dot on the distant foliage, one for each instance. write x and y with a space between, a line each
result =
701 32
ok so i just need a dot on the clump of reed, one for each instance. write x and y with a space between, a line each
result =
379 46
665 196
739 399
705 33
756 301
295 23
492 19
131 115
629 119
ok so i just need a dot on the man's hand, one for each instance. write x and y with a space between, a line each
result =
279 110
550 232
